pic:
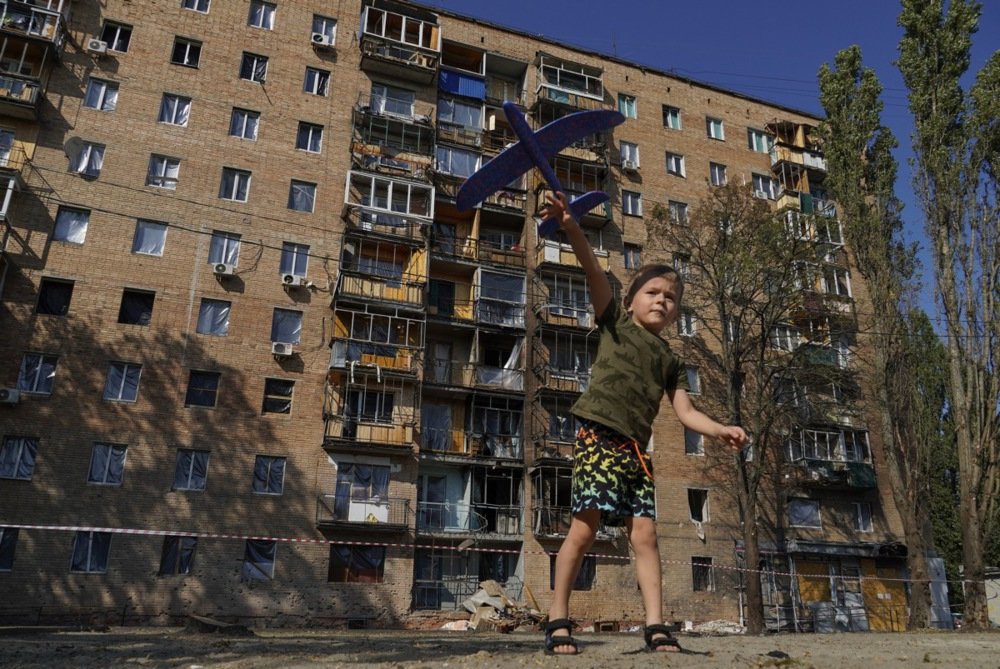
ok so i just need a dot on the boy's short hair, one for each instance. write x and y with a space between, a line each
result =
651 271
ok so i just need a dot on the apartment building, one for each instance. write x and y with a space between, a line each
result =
256 364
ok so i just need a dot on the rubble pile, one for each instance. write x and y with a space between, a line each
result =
492 610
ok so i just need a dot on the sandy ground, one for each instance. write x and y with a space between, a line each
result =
309 649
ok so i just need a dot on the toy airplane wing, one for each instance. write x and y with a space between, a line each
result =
515 160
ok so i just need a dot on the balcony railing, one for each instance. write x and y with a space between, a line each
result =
472 375
564 97
551 251
460 134
357 355
448 517
835 473
357 432
18 90
514 200
375 514
463 443
398 291
475 250
391 57
397 225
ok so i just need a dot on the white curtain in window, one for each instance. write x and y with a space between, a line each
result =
225 248
213 318
175 109
71 226
149 238
302 196
88 160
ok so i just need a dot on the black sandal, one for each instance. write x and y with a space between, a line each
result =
667 639
551 642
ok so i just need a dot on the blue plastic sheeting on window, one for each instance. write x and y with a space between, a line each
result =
462 84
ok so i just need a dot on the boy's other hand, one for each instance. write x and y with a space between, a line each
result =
733 435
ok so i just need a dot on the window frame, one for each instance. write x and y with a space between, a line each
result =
628 105
48 283
687 323
187 4
272 395
93 564
185 551
812 503
88 160
675 164
631 203
270 461
669 116
305 189
715 128
694 443
276 322
193 391
102 103
250 67
266 19
250 569
320 82
214 329
702 574
309 132
191 52
241 117
159 170
125 369
340 567
677 212
44 361
113 44
241 180
149 227
225 247
632 255
190 484
110 458
24 444
860 509
171 110
67 234
717 174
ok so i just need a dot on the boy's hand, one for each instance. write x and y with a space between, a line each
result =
733 435
557 207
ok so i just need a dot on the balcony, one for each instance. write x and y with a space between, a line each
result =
384 56
797 156
837 474
362 435
476 251
379 515
578 101
403 291
359 356
480 520
19 96
44 23
470 375
461 445
394 225
551 251
461 135
500 90
393 124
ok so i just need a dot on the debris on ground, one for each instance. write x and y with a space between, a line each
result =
205 625
492 610
717 628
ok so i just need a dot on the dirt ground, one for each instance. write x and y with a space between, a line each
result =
309 649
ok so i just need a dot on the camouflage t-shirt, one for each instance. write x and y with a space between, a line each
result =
630 374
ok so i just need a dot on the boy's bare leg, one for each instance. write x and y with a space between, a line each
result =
578 541
642 536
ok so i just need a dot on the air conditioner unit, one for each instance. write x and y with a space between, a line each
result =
629 166
224 269
762 194
9 395
292 280
97 47
280 349
321 40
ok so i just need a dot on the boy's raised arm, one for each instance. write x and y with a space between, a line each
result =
597 279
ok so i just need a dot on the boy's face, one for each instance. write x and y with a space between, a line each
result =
656 304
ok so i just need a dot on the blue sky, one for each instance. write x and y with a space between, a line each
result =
769 50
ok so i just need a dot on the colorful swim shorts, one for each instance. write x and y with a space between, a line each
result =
611 473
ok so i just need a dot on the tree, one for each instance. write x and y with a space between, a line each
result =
861 178
745 265
956 155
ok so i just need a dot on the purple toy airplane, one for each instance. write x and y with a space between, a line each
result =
536 149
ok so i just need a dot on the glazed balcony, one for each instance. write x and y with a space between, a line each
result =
38 20
19 96
551 251
459 445
471 375
833 474
359 356
407 291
